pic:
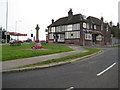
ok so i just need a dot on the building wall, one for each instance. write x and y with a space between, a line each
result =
72 41
50 41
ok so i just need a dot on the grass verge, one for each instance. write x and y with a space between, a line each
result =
24 51
66 58
117 46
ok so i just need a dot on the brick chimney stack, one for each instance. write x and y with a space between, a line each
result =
111 24
52 21
102 19
70 13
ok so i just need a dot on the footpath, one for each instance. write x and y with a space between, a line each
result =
7 65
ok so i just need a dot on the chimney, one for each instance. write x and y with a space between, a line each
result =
70 13
111 24
101 18
52 21
118 25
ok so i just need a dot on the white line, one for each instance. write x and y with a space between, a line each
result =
70 88
106 69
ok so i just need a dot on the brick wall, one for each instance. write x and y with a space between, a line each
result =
50 41
72 41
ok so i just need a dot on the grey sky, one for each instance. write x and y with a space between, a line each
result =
32 12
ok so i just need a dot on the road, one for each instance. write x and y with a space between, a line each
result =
97 72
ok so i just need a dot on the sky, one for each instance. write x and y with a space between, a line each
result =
29 13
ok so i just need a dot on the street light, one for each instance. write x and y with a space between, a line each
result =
6 19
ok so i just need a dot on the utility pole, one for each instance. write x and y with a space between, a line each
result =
6 19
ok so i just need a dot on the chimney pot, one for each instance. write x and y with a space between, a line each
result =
102 18
70 13
52 21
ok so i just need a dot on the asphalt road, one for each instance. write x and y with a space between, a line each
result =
96 72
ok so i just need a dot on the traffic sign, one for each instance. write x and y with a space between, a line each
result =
83 31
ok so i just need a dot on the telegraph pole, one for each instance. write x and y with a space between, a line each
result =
6 19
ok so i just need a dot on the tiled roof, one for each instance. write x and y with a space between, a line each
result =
68 20
94 20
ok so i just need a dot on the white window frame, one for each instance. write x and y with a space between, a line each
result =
95 27
84 25
99 38
91 26
51 36
88 36
52 29
58 29
102 27
107 29
62 28
88 27
76 26
69 27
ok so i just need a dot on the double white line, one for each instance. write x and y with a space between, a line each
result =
106 69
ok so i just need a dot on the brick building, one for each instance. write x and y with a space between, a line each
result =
79 30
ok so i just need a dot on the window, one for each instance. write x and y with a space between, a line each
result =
58 28
99 38
62 28
91 26
102 27
84 25
65 27
49 29
88 26
69 28
51 36
71 35
76 27
88 36
53 29
94 26
107 29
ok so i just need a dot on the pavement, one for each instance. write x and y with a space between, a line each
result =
8 65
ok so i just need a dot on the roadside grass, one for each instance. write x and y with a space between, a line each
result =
24 51
117 46
66 58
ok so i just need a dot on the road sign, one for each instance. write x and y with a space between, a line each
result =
83 31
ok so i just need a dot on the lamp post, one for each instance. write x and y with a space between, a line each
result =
6 19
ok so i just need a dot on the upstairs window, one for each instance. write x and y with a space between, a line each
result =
102 27
53 29
107 29
62 28
58 28
65 27
49 29
69 28
84 25
95 27
91 26
88 26
76 27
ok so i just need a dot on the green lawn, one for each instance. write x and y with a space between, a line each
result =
66 58
117 46
23 51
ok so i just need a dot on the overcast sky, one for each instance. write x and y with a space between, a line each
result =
28 13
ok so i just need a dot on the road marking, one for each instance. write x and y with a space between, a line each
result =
106 69
70 88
